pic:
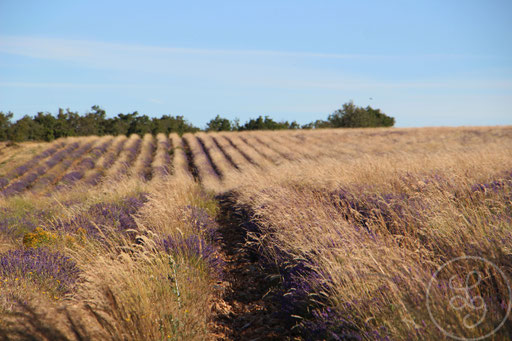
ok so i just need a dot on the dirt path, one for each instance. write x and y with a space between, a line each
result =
251 296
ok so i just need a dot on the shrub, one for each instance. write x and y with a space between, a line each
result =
39 237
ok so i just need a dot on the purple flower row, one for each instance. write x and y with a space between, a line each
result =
116 215
20 185
19 171
109 160
164 169
67 161
302 283
85 164
131 154
147 158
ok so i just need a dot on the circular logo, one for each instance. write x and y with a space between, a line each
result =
468 309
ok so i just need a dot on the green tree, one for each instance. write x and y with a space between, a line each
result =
44 126
140 125
172 124
92 123
62 127
120 124
266 123
352 116
219 124
5 125
22 130
317 125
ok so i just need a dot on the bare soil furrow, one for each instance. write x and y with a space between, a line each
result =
251 297
191 165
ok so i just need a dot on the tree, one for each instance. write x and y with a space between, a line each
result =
352 116
317 125
22 130
5 125
120 124
62 127
267 123
219 124
92 123
140 125
44 127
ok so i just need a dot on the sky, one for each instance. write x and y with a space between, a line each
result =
426 63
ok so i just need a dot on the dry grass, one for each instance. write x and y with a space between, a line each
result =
373 229
129 288
356 221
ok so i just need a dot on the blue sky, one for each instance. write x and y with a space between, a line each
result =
427 63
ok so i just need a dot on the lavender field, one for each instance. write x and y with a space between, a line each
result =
327 234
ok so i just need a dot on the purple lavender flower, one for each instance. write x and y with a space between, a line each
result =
72 177
65 161
94 179
13 224
87 163
24 168
147 158
112 156
40 265
195 247
203 224
116 215
21 170
164 169
131 154
495 186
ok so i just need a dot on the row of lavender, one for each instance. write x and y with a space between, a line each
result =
90 162
23 182
40 262
43 265
84 165
19 171
311 297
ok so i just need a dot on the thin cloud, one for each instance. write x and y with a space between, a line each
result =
193 67
66 49
64 85
155 101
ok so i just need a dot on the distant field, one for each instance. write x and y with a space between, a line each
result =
322 234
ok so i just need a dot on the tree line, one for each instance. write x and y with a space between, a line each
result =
47 127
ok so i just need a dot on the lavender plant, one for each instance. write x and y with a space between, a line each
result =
85 164
40 265
119 216
195 247
21 170
27 180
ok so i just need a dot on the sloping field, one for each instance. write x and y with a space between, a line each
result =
323 234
